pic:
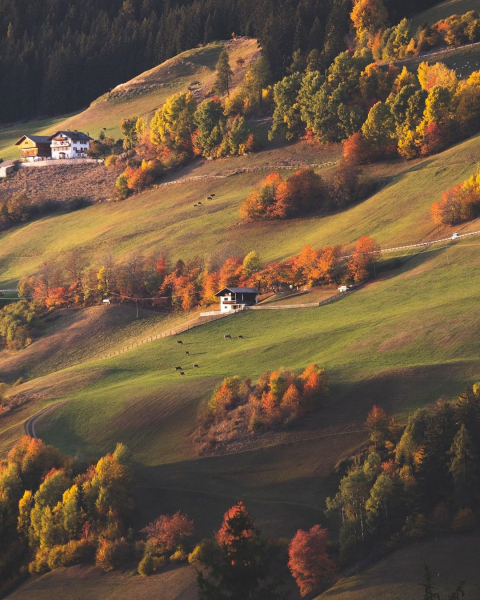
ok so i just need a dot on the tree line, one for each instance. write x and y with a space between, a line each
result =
185 285
57 511
378 111
58 56
413 481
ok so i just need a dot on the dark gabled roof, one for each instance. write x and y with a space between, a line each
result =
74 135
236 290
38 139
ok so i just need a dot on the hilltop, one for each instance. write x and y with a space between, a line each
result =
192 70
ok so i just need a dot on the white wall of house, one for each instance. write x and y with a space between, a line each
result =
67 148
225 307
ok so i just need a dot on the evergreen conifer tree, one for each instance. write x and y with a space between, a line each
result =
224 74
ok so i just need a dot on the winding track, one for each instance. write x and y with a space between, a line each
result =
32 421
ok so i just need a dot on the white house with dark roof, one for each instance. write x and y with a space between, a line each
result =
69 144
235 298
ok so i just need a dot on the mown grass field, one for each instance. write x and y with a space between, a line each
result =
142 95
165 220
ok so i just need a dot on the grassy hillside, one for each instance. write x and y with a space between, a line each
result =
68 337
443 10
78 583
193 69
164 219
398 576
401 342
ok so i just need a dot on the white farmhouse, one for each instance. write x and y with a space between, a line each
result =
233 298
69 144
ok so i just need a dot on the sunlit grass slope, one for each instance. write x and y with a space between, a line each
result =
445 9
402 342
165 220
142 95
68 337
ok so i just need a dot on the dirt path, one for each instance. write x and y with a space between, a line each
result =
243 170
428 55
32 421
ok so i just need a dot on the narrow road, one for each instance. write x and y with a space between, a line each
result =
32 421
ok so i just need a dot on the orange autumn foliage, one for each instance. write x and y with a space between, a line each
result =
226 535
309 563
363 258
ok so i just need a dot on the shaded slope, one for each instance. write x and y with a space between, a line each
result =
398 576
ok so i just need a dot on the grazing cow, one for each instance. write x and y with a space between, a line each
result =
187 353
182 373
196 367
240 337
179 342
178 368
199 203
195 205
209 197
212 195
227 336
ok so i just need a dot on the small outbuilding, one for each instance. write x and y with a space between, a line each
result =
233 298
34 147
7 168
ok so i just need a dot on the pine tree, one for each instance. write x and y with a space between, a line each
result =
241 570
463 468
224 74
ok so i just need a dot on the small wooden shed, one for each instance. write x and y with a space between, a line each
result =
7 168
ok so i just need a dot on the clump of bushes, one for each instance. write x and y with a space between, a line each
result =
18 321
304 193
21 209
167 541
279 399
137 177
460 203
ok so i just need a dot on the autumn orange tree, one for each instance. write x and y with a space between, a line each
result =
275 198
368 17
256 205
166 541
356 149
241 566
363 259
309 562
458 204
